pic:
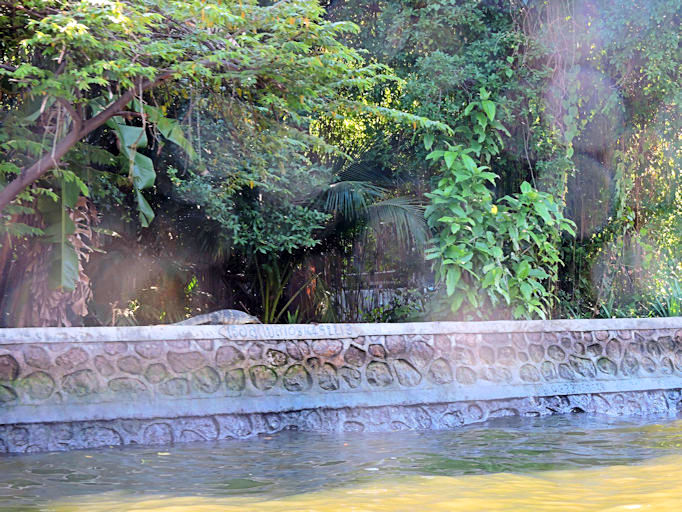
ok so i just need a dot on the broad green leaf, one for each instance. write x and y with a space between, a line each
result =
131 137
457 302
143 172
525 187
450 158
468 162
541 208
526 290
523 270
428 141
145 211
452 279
63 271
489 108
70 192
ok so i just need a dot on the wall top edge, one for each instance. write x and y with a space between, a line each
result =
10 336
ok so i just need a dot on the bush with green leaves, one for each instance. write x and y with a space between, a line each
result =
496 256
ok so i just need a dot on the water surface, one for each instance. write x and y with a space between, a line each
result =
571 462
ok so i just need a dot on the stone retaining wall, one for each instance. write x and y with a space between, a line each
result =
84 387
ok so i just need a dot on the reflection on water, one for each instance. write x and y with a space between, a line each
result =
554 463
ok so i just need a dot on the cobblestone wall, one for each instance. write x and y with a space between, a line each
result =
72 388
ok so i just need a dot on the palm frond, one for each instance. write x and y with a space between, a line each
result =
351 199
402 214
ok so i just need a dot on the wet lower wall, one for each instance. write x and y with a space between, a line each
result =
86 387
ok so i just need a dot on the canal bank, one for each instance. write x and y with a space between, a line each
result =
73 388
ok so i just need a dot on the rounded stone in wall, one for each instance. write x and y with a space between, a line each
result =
97 437
556 352
601 335
38 385
72 358
149 349
399 426
377 351
463 355
158 433
667 344
487 354
440 372
496 374
648 365
548 370
420 353
452 419
594 350
297 378
506 355
183 362
206 380
623 335
127 385
255 351
294 350
327 377
378 374
613 349
565 372
654 349
583 367
235 379
629 366
351 376
130 364
465 375
667 367
418 417
355 356
104 366
37 356
406 373
175 387
80 383
262 377
327 348
474 412
7 394
9 367
529 373
536 352
275 357
353 426
395 345
442 343
115 347
234 426
228 355
156 373
605 365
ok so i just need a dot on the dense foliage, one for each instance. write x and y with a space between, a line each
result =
487 159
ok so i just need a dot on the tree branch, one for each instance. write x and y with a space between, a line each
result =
81 129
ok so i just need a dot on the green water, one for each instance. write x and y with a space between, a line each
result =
505 464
